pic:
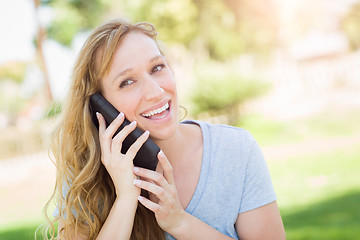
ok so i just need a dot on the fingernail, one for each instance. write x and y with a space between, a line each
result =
162 153
133 123
136 169
147 132
136 181
140 198
120 115
97 115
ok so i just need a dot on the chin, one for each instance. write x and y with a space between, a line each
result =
163 134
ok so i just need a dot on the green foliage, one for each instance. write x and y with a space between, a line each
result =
14 71
72 16
218 29
351 26
221 90
54 110
212 27
175 20
202 25
66 24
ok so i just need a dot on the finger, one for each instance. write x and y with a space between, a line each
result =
102 124
150 175
159 192
114 125
168 171
116 143
149 204
134 148
104 145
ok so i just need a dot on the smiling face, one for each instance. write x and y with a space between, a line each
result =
141 84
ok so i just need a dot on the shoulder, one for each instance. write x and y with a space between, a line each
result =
225 133
224 141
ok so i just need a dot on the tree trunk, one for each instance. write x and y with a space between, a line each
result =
40 38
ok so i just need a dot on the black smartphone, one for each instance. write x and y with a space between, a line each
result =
147 155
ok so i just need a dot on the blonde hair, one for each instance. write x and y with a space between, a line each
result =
90 190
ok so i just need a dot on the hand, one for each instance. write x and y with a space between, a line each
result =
119 166
164 200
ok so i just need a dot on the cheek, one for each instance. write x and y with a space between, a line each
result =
169 84
128 105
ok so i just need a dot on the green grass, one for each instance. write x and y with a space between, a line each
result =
333 218
26 232
306 179
318 194
16 233
23 231
269 132
325 124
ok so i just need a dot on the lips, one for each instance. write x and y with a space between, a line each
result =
157 113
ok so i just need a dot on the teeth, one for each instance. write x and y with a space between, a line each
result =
156 111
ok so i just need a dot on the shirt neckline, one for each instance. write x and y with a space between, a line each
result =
204 166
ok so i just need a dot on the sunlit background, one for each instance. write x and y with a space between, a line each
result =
286 70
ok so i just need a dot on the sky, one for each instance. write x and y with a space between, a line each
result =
17 29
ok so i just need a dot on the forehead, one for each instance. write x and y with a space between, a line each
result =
131 48
134 47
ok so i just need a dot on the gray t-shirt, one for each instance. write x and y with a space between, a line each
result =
234 178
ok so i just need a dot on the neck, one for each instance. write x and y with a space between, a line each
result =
174 146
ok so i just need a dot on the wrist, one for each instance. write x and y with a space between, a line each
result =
126 192
180 230
129 200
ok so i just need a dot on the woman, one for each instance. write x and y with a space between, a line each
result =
211 182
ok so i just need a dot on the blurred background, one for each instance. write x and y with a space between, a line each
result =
286 70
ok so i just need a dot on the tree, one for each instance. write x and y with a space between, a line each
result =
175 20
73 16
40 38
223 28
351 26
222 90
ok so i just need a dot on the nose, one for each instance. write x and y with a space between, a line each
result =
152 89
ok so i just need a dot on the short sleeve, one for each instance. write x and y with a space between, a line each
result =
258 189
64 192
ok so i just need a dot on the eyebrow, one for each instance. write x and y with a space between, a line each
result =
130 69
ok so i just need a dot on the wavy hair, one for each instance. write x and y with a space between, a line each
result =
90 192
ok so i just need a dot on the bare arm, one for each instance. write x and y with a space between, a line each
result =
169 214
193 228
120 220
118 224
261 223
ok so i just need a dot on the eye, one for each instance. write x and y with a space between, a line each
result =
157 68
126 82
